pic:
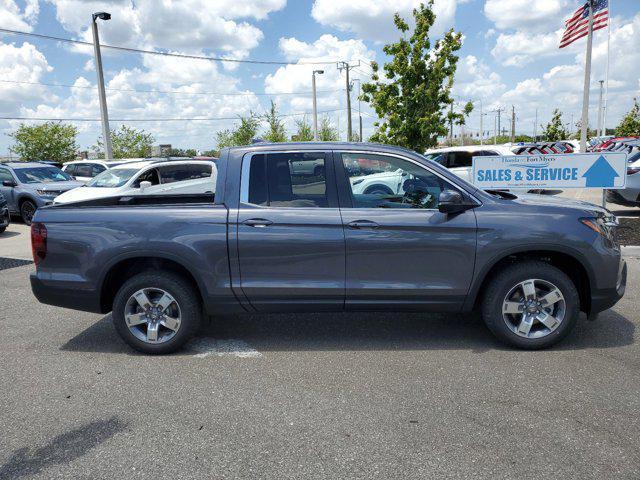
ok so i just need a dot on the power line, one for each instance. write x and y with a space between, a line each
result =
205 119
172 92
166 54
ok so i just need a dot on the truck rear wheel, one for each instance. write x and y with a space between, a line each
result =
531 305
156 312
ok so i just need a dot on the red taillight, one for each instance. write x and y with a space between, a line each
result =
38 242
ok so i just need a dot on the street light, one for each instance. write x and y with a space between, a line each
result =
108 150
315 107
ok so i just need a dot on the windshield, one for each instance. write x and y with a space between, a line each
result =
41 175
113 178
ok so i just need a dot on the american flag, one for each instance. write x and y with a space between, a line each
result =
578 25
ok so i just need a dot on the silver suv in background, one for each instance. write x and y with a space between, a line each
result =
28 186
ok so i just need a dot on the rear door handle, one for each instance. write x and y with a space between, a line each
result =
257 222
357 224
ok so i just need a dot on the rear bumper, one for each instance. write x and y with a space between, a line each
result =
607 298
66 297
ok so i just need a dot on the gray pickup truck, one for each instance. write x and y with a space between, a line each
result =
277 237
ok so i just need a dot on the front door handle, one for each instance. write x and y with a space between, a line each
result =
357 224
257 222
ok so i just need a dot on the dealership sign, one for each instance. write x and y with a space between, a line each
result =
574 170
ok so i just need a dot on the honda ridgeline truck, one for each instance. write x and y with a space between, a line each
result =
277 237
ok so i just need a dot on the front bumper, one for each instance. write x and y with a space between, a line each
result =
627 197
4 217
52 293
606 298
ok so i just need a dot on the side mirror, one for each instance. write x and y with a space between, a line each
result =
451 201
8 183
144 185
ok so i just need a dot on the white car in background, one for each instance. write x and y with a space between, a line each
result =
85 170
148 178
460 159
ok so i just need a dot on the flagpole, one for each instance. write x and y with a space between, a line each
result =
606 74
587 82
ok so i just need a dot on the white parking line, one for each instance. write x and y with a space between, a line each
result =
206 346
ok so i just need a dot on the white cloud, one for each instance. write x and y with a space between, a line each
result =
297 78
539 15
23 63
187 25
521 48
475 80
373 19
12 18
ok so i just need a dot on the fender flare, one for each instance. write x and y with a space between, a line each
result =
480 276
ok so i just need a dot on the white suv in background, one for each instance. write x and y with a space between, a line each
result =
147 178
85 170
460 159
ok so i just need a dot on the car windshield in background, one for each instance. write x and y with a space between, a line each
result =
113 178
435 157
41 175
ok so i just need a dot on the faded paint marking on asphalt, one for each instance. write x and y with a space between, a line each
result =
204 347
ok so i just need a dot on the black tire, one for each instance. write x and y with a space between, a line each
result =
183 293
2 229
27 211
378 190
507 279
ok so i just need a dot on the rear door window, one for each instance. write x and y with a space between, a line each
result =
458 159
288 180
183 173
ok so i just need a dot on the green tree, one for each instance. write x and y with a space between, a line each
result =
629 126
181 152
48 141
554 130
412 94
304 132
127 142
275 126
458 118
241 134
326 133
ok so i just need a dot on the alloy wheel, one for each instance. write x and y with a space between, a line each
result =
534 308
152 315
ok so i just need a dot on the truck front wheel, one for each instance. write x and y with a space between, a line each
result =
531 305
156 312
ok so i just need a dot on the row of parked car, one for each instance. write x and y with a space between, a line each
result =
26 186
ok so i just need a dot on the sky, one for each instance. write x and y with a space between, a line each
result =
510 57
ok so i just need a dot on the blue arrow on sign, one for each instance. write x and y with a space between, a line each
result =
600 174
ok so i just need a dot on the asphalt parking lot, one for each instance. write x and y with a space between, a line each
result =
313 396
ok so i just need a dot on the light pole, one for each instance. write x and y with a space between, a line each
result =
315 106
359 109
106 134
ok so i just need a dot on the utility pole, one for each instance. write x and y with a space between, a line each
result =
481 125
535 127
513 124
359 108
315 106
345 66
600 111
451 125
106 132
587 81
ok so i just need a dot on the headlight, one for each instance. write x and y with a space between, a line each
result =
601 225
357 182
43 193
